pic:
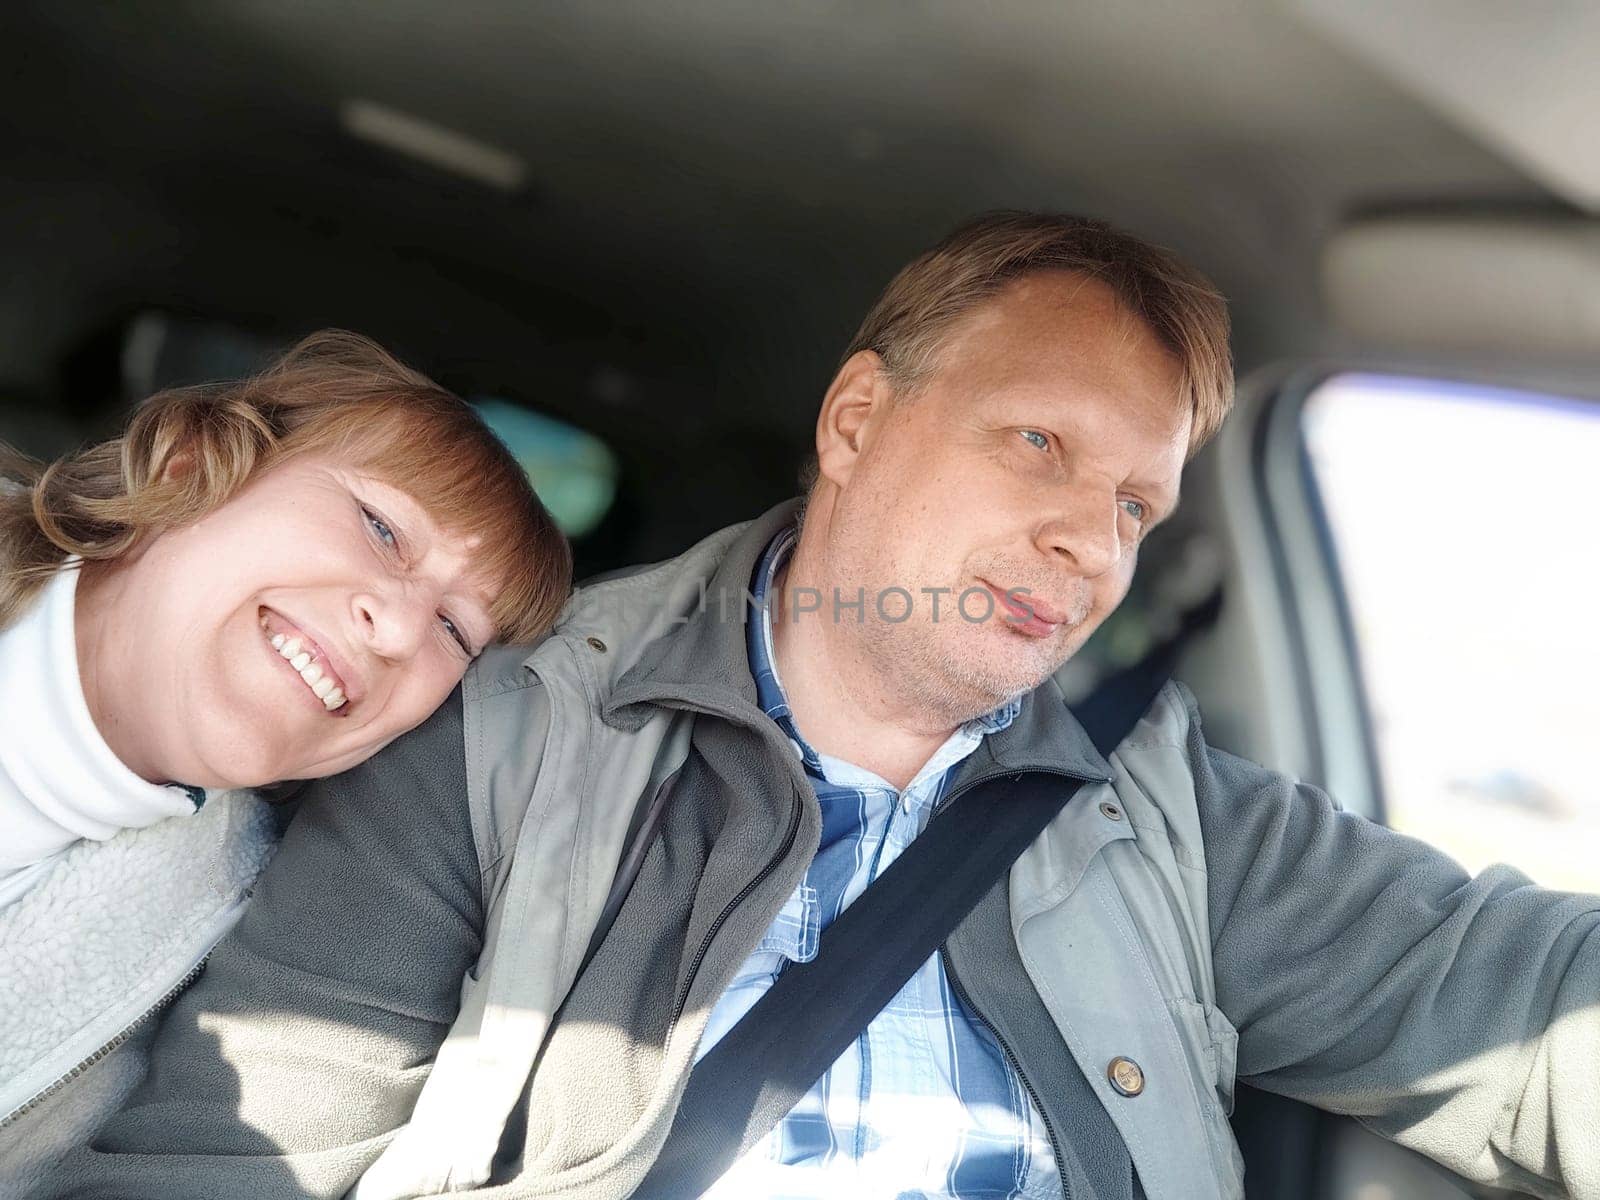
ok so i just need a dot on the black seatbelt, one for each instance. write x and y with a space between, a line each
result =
767 1062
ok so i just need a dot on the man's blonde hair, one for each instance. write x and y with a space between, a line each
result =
911 321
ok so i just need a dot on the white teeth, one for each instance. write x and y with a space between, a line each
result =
293 650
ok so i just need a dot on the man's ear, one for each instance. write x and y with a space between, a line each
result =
858 392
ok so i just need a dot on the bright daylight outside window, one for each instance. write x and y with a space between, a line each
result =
1465 522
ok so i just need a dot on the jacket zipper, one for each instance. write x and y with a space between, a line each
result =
127 1032
966 999
1011 1058
705 943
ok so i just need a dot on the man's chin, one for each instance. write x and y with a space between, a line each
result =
1026 659
978 688
955 679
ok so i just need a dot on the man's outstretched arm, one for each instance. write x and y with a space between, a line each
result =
1369 974
286 1068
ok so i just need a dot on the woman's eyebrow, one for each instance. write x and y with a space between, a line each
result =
480 611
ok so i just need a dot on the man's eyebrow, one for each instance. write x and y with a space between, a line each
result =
1167 491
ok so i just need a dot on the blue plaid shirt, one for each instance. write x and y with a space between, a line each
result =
924 1103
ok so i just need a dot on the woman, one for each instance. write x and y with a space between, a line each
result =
256 583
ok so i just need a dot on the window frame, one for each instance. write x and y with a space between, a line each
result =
1327 671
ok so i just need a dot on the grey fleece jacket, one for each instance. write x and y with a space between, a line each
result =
1224 920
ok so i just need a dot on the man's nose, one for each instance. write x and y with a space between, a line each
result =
393 625
1084 534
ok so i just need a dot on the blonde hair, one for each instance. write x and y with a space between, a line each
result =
335 393
908 325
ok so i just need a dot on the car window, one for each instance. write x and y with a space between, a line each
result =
574 472
1462 519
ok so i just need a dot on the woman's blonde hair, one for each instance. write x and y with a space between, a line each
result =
335 393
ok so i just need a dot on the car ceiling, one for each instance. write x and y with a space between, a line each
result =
716 190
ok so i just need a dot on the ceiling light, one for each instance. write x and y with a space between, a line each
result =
433 144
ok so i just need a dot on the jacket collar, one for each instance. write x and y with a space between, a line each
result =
1045 736
701 660
702 655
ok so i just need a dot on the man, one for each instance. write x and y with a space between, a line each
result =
1010 422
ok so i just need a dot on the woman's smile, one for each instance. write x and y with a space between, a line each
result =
306 658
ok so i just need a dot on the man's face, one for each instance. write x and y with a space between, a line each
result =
1046 444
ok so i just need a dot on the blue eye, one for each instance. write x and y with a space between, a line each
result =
1034 438
383 532
460 637
1135 509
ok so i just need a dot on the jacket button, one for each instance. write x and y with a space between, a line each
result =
1111 812
1125 1076
596 644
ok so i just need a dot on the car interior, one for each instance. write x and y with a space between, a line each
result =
640 235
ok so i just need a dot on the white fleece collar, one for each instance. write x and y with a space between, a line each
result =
59 781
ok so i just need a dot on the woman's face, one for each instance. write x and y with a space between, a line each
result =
290 634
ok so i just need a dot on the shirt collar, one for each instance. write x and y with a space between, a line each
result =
764 667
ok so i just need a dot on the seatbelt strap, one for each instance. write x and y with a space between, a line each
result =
766 1063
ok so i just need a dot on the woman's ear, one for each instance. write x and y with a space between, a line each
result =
179 465
858 392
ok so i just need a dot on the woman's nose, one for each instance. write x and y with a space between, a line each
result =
392 626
